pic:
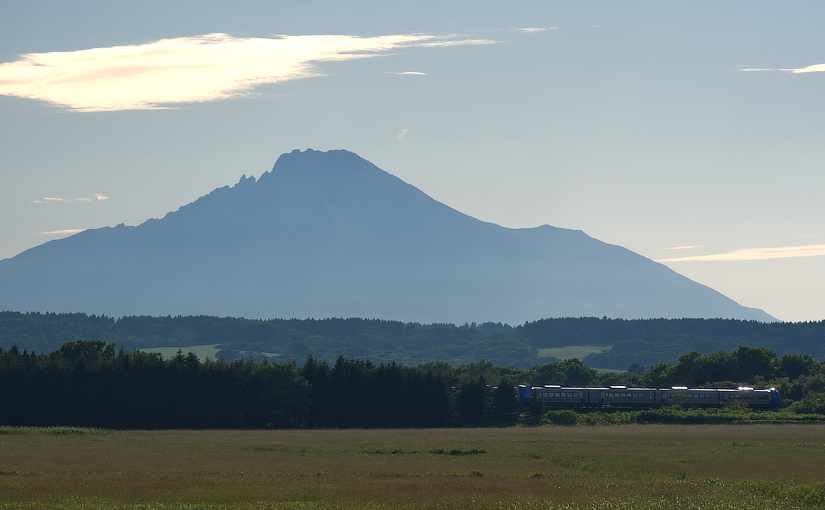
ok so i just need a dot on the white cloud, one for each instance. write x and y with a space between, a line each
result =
409 73
683 247
816 68
745 254
200 68
402 134
763 69
60 200
449 43
64 232
533 30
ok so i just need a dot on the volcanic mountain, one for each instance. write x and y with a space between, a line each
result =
329 234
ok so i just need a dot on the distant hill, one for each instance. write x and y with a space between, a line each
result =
603 343
328 234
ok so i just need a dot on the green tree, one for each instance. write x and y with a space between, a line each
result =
471 402
505 406
794 366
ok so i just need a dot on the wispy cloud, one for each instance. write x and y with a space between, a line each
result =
98 197
209 67
764 69
402 134
534 30
684 247
745 254
816 68
50 200
64 232
450 43
408 73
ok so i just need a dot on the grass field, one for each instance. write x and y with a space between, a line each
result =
203 352
572 351
598 468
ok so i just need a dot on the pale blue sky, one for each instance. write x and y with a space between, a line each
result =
633 121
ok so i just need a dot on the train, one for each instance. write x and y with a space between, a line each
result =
623 397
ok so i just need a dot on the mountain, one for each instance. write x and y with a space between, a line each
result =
329 234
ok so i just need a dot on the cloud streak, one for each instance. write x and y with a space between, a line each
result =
683 247
749 254
535 30
453 43
409 73
816 68
98 197
171 72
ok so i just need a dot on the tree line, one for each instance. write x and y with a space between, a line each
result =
92 383
632 342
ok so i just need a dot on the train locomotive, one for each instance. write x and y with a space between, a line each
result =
624 397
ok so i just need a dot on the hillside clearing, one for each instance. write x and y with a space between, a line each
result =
572 351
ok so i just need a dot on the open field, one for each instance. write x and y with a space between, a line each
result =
572 351
626 467
203 352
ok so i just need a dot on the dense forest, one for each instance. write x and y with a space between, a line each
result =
95 384
639 343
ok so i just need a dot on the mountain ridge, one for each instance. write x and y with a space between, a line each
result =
327 233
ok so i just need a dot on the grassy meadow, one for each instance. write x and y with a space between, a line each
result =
622 467
572 351
203 352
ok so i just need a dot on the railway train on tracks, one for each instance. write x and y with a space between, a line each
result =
624 397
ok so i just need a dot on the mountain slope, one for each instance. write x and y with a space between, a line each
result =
329 234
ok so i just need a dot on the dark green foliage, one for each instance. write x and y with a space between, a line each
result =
88 384
745 365
794 366
813 403
563 417
570 372
471 402
646 342
94 385
505 404
680 416
534 411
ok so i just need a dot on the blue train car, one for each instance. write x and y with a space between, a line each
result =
624 397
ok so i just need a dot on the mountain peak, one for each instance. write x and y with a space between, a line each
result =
327 233
312 160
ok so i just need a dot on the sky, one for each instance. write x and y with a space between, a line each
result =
688 131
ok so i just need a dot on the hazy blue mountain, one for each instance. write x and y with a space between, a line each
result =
329 234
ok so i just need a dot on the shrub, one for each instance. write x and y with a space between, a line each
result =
566 417
813 404
458 451
680 416
607 418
